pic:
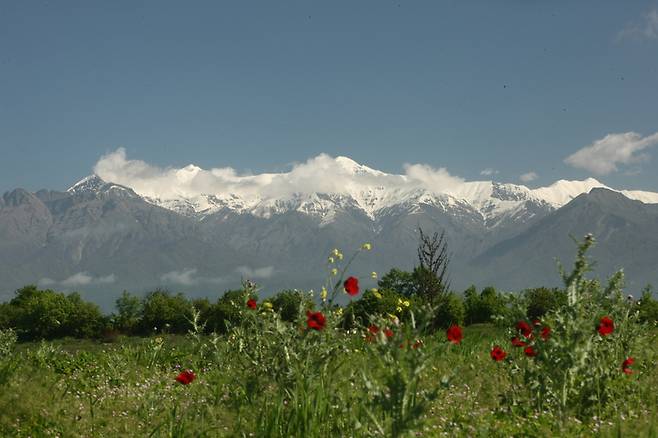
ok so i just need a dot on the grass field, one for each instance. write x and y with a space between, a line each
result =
128 388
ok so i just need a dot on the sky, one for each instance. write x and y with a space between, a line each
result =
516 91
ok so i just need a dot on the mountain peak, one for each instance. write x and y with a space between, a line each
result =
91 183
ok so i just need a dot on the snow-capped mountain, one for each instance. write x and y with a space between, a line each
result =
373 193
101 237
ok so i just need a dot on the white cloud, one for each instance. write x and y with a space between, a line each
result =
603 156
46 282
85 279
321 174
488 172
188 277
184 277
258 273
647 29
530 176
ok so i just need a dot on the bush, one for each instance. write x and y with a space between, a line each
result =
483 307
290 304
450 311
648 307
130 309
541 300
164 312
45 314
375 303
227 312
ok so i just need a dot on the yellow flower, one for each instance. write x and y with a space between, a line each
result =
334 271
399 301
373 274
377 294
340 256
267 305
406 303
331 259
398 309
339 311
323 293
335 252
366 246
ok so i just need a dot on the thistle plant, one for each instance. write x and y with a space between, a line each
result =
572 361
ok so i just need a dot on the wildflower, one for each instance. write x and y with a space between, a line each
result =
335 252
340 256
497 353
376 293
626 365
417 344
351 286
366 246
267 305
406 303
606 326
388 332
398 309
186 377
323 293
331 259
373 275
315 320
524 328
454 334
530 352
518 342
334 271
373 329
545 333
251 303
339 311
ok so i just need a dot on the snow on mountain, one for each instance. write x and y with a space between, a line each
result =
359 188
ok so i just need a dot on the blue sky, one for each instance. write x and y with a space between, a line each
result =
512 86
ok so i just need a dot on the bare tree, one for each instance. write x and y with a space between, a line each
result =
432 273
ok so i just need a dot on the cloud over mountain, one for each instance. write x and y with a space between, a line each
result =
603 156
321 174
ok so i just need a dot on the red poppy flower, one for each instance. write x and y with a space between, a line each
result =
530 352
497 353
518 342
373 329
351 286
454 334
626 365
186 377
315 320
524 328
251 303
545 333
606 326
388 332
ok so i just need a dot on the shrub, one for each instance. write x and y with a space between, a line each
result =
228 311
483 307
541 300
375 303
290 304
647 307
449 311
45 314
130 310
162 311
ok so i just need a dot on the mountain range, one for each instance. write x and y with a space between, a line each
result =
101 237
